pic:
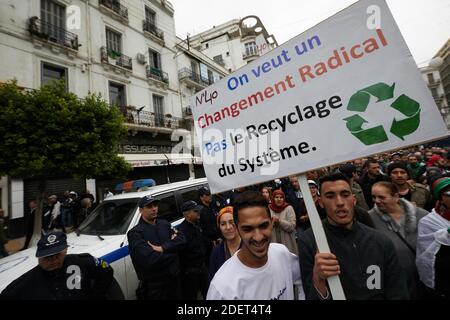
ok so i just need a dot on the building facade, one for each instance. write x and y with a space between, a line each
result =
433 80
235 43
444 68
127 51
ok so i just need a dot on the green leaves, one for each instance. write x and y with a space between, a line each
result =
52 133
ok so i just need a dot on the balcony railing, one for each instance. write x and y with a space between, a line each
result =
250 54
121 59
188 73
50 32
150 27
150 119
115 6
157 74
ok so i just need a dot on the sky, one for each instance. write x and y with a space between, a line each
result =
424 24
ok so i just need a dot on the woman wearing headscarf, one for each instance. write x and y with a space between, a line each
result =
397 218
283 218
229 246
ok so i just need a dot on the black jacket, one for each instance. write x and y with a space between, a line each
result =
151 265
193 255
38 284
208 223
366 184
356 250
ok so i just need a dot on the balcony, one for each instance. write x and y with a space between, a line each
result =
151 31
53 34
158 75
142 120
114 9
193 79
120 62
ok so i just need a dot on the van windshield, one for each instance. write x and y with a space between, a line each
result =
110 218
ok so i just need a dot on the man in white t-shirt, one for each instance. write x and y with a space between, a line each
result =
260 270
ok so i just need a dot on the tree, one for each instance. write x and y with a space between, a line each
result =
49 133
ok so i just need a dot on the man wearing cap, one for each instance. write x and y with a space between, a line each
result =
193 255
414 192
60 276
153 246
433 242
208 217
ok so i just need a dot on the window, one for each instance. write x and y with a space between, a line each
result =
110 218
150 16
117 94
210 76
194 67
430 78
154 59
158 107
50 73
228 53
113 40
434 93
189 194
53 18
250 48
206 45
167 208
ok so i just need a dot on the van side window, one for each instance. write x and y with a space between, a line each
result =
189 194
167 208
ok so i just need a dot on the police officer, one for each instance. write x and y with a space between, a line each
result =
60 276
208 220
193 255
153 247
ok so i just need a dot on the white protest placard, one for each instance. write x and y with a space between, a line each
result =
345 89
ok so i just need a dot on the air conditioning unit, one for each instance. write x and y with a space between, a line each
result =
141 58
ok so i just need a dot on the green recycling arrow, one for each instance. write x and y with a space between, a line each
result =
360 100
409 108
400 128
368 136
355 122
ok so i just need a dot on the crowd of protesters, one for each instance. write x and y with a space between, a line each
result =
388 214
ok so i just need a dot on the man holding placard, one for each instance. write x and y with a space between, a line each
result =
364 259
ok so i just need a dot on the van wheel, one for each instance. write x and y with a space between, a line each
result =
114 291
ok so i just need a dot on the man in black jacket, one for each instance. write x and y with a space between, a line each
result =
60 276
364 259
372 175
154 246
193 255
208 220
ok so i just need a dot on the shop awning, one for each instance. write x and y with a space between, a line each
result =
158 159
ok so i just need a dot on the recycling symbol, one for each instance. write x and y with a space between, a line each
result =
400 128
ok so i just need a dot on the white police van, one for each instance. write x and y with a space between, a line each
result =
104 234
